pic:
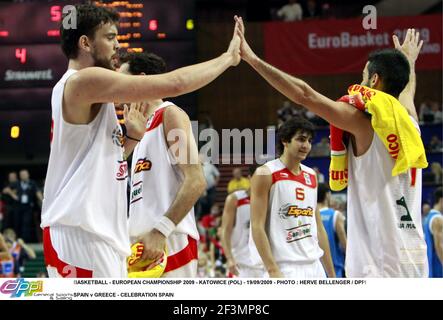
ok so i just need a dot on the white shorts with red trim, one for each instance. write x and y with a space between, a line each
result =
182 256
248 272
295 270
71 252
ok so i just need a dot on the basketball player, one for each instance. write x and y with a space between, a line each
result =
334 223
381 243
286 225
84 210
165 185
433 227
236 230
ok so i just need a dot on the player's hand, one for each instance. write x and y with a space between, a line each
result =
234 47
136 117
154 245
411 45
232 267
245 50
275 274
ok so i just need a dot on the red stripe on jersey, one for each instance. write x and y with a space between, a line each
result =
52 259
51 135
183 257
157 120
303 177
413 176
243 201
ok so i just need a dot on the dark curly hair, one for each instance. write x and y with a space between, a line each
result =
89 19
147 63
290 128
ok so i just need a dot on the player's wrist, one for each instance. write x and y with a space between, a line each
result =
165 226
133 137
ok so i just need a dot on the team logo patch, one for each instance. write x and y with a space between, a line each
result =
117 136
307 177
142 165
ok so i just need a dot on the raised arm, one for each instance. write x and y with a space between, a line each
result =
336 113
410 48
98 85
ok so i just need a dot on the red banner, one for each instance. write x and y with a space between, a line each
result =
342 46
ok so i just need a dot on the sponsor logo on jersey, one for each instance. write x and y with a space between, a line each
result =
122 171
142 165
406 221
289 210
137 191
298 233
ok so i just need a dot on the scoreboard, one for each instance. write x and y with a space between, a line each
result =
30 23
31 61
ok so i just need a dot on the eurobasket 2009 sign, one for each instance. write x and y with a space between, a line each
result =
342 46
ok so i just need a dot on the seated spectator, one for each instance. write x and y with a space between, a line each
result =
312 10
291 12
288 111
436 111
238 182
41 274
326 11
425 114
316 120
437 171
320 176
322 148
435 144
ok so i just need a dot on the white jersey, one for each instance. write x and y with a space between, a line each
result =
385 234
241 233
155 181
85 184
291 225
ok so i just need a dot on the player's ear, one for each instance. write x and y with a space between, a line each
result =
375 80
84 44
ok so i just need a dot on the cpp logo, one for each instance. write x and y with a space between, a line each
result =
19 287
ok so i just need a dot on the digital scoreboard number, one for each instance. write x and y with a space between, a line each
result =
32 59
140 21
